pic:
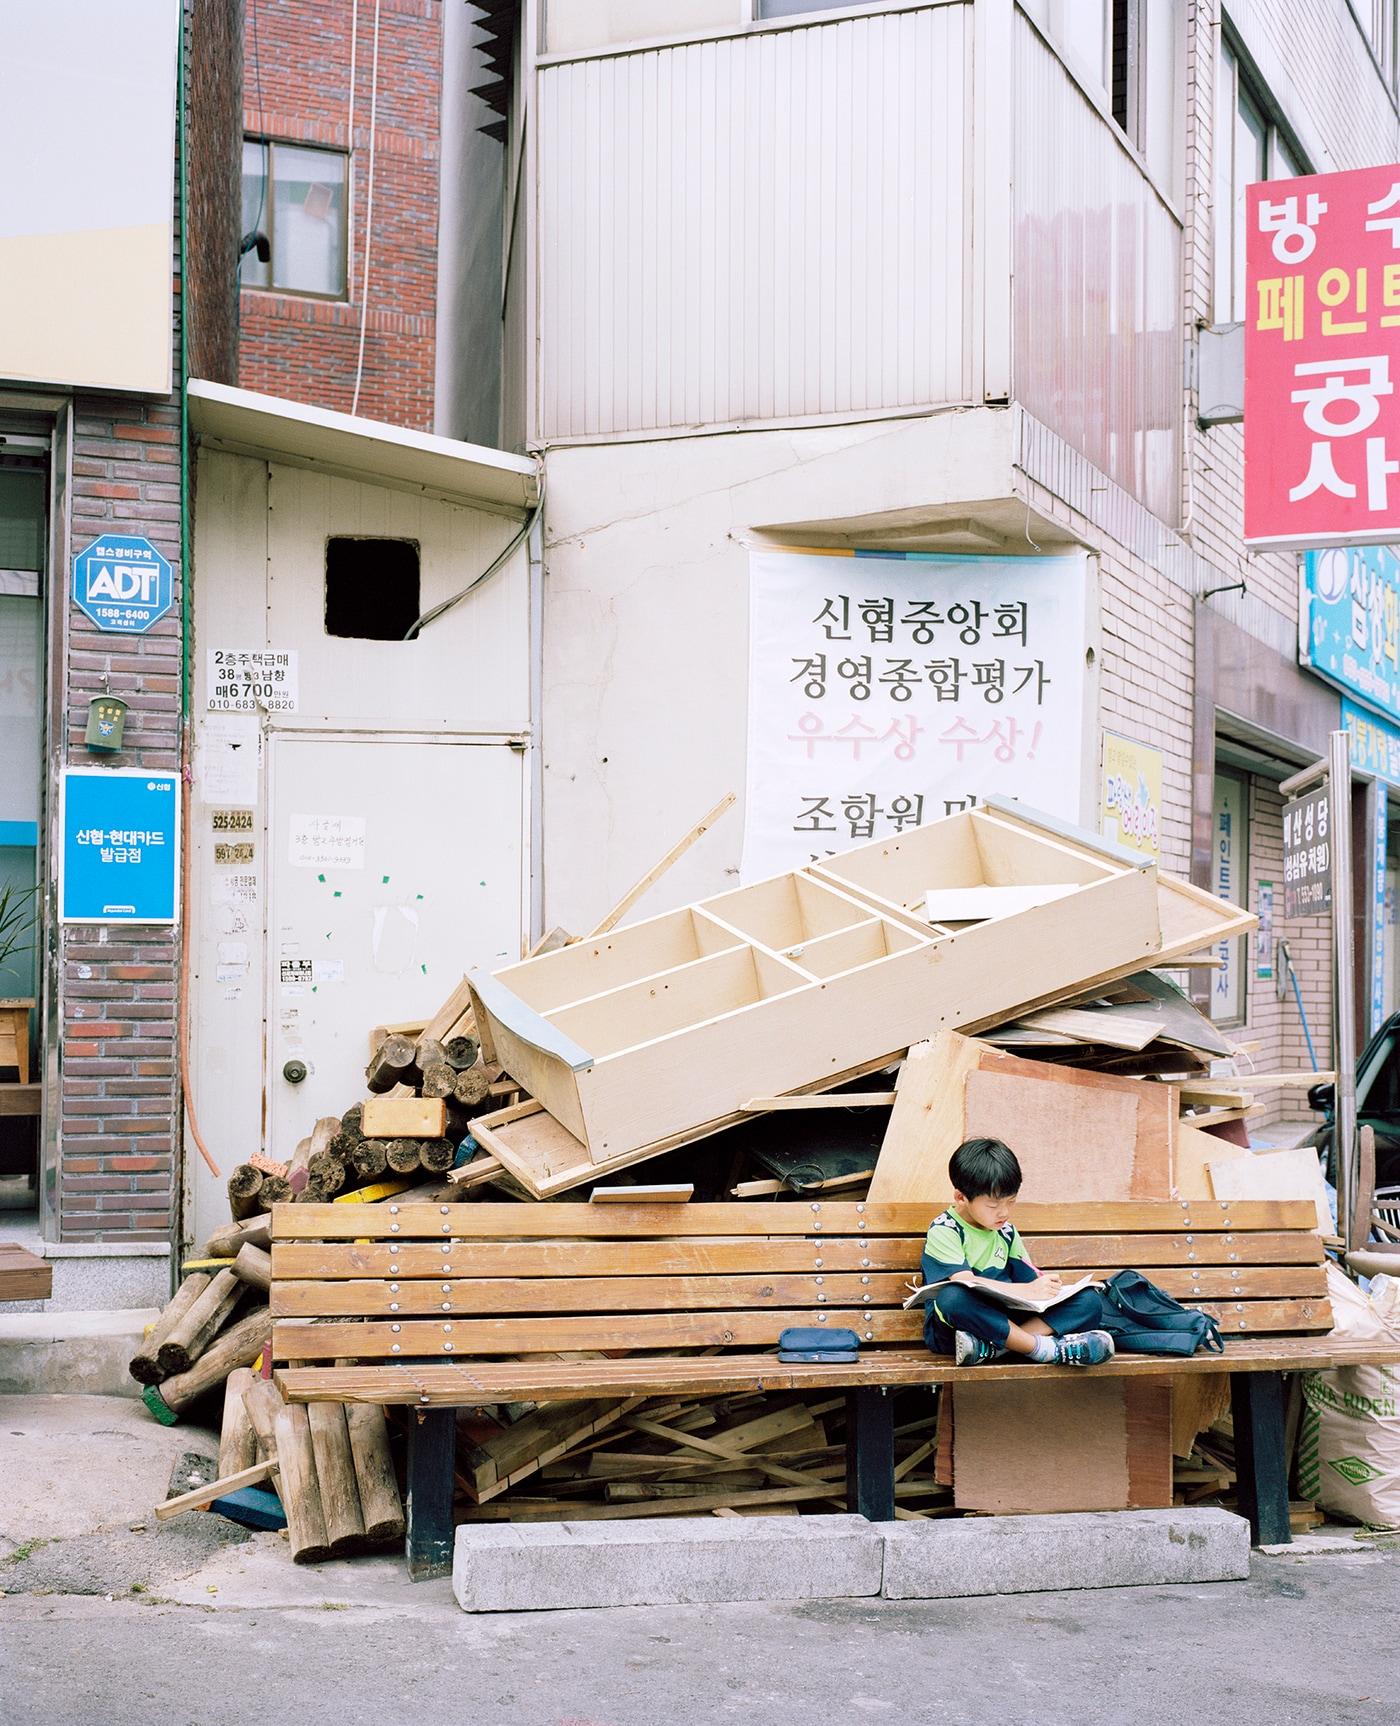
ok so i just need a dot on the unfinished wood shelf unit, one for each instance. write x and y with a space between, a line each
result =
660 1032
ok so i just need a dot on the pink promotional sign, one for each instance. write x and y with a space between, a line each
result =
1322 360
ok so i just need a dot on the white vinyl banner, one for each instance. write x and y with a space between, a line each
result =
889 689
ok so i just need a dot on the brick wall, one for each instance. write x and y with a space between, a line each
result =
297 86
119 1091
214 155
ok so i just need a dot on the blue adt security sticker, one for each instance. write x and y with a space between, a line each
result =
123 583
121 846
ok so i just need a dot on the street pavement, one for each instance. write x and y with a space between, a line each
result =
111 1619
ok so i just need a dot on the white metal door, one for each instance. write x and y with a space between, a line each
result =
395 865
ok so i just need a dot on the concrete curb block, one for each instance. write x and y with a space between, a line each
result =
1030 1554
71 1353
521 1567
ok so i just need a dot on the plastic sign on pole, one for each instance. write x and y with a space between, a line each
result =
1322 360
120 846
123 583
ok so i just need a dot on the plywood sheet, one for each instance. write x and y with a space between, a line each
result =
1054 1446
1195 1149
1108 1137
1074 1144
1294 1174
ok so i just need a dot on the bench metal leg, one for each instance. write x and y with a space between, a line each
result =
1261 1466
432 1445
870 1453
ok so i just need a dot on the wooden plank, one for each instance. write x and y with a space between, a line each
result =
659 868
1292 1174
623 1294
404 1118
828 1100
826 1217
676 1193
1110 1025
206 1494
23 1274
489 1468
16 1099
926 1124
1286 1247
1257 1317
470 1338
466 1384
292 1259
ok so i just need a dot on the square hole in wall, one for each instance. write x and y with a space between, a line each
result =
371 588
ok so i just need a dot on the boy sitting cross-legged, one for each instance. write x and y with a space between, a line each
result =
975 1241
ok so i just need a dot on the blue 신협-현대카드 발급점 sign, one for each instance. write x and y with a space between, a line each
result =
120 846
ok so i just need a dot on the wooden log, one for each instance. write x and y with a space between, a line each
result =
461 1052
380 1504
473 1087
142 1365
344 1144
262 1399
438 1080
275 1191
368 1159
199 1326
392 1061
427 1052
335 1477
244 1185
350 1120
299 1492
436 1155
326 1173
239 1346
238 1443
224 1243
402 1155
254 1267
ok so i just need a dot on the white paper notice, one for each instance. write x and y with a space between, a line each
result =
886 691
233 887
230 756
252 680
328 971
327 842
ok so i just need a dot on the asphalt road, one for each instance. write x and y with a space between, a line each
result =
1305 1642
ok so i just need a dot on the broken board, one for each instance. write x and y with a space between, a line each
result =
1080 1137
1294 1174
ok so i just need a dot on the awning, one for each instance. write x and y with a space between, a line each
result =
245 422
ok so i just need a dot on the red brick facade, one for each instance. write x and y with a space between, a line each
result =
297 87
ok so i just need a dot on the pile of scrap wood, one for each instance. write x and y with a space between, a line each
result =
841 1028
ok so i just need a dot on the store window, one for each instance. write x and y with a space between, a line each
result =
1249 147
1229 870
294 199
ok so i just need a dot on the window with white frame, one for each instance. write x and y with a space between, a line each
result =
1248 147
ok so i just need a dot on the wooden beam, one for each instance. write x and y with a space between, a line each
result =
658 869
202 1495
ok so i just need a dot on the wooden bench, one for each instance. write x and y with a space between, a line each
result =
23 1274
445 1306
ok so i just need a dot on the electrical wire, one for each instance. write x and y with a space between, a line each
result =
369 215
501 558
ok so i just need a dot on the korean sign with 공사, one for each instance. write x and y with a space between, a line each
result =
1322 360
887 690
1307 857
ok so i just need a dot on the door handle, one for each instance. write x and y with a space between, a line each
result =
294 1071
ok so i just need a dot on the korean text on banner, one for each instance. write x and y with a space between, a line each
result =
1130 810
886 690
1322 360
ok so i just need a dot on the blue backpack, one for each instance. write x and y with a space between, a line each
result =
1143 1319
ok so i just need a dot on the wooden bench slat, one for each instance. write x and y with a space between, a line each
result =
501 1295
503 1221
593 1258
463 1383
23 1274
735 1257
472 1337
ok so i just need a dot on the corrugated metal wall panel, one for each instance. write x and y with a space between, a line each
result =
769 226
1096 302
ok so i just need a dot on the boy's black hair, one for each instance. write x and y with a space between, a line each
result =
985 1168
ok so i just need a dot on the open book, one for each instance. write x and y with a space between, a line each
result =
1017 1296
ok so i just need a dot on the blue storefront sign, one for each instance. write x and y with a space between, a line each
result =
1375 743
1349 622
121 846
123 583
